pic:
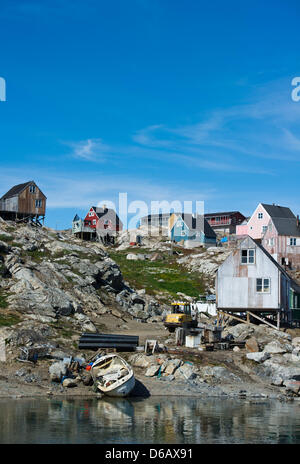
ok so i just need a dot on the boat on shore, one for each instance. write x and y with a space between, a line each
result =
112 375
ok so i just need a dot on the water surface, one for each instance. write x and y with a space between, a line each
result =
153 420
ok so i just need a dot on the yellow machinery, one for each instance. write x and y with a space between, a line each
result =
181 316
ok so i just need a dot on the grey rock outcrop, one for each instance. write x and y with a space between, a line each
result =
258 357
50 275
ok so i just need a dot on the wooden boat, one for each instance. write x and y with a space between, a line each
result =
112 375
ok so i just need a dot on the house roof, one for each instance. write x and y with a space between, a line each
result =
198 223
226 213
17 189
108 212
276 211
286 226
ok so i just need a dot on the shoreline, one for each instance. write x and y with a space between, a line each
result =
145 389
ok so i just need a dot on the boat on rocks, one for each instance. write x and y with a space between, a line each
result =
112 375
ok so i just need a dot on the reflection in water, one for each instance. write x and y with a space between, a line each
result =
152 420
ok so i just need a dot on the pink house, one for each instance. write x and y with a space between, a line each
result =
258 222
242 229
282 241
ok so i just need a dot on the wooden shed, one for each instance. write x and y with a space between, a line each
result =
24 202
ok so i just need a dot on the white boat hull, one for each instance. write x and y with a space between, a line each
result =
115 384
122 390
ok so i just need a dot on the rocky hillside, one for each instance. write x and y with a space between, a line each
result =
45 276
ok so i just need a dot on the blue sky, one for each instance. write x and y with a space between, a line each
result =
161 99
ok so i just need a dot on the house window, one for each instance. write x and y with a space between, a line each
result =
247 256
260 215
263 285
91 213
264 229
94 222
32 188
293 241
182 233
38 203
271 241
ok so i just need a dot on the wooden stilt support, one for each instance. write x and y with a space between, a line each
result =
233 317
263 320
278 320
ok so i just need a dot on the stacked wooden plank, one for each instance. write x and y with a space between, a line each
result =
92 341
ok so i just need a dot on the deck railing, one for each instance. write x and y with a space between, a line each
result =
222 222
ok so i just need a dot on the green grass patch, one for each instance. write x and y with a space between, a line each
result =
3 301
15 244
164 275
6 238
7 320
66 333
63 329
61 254
37 255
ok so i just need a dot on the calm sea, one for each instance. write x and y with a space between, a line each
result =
149 421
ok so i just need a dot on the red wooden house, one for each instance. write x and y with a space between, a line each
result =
103 220
225 222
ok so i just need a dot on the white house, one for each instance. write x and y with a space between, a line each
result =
251 280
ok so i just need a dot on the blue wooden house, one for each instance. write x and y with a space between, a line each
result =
191 227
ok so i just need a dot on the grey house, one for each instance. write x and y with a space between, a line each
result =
156 220
250 280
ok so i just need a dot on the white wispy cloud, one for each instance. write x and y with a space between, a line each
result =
92 149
